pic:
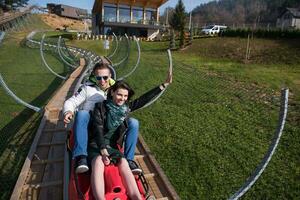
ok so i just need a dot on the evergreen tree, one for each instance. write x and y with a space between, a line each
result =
172 40
177 21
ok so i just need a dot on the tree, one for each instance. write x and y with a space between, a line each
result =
10 4
177 21
172 40
241 11
165 17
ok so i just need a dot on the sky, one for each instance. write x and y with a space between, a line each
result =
88 4
189 4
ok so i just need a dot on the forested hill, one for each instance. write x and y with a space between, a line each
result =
241 11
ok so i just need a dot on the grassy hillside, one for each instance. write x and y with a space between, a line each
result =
25 74
208 131
214 124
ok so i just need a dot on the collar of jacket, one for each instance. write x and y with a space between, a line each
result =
92 81
103 113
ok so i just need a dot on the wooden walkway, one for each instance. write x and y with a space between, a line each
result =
42 175
12 16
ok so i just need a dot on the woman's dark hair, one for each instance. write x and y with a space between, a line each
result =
100 65
120 85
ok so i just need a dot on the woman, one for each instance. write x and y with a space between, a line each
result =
110 121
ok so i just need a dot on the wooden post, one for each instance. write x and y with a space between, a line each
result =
247 49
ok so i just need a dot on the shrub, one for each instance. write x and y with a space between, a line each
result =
262 33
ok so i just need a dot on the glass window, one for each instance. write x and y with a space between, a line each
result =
124 6
150 17
110 13
124 15
137 15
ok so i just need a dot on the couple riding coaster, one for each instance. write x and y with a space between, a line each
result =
79 183
91 58
79 187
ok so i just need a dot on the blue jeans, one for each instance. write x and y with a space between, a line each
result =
81 123
81 135
131 138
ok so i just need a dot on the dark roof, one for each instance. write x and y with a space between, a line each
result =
294 11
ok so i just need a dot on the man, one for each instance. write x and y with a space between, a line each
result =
94 91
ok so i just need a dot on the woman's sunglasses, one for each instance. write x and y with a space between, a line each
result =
99 78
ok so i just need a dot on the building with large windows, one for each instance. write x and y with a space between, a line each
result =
133 17
67 11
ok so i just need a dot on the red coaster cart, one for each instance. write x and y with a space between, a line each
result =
79 184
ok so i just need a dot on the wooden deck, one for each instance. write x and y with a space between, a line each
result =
12 16
42 175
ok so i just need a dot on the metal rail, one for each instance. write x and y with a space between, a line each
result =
41 44
265 161
127 55
16 98
65 53
170 71
117 45
44 60
137 62
69 55
61 56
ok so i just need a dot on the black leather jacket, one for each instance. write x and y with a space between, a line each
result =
98 128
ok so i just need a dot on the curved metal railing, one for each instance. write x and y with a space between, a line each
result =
61 56
65 52
116 48
44 60
16 98
137 62
69 54
127 54
170 71
272 148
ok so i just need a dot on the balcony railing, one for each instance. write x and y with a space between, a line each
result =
145 22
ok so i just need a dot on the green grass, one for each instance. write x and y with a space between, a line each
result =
214 124
25 74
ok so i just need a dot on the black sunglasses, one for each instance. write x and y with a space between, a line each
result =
102 77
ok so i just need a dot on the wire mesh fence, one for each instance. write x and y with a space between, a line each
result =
213 127
218 118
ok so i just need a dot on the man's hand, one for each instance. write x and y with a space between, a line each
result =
68 117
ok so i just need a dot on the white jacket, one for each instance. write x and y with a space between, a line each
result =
85 98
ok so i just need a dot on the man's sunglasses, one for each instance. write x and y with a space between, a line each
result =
99 78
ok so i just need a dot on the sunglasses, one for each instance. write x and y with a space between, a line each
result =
99 78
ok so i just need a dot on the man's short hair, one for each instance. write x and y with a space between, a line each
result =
101 65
